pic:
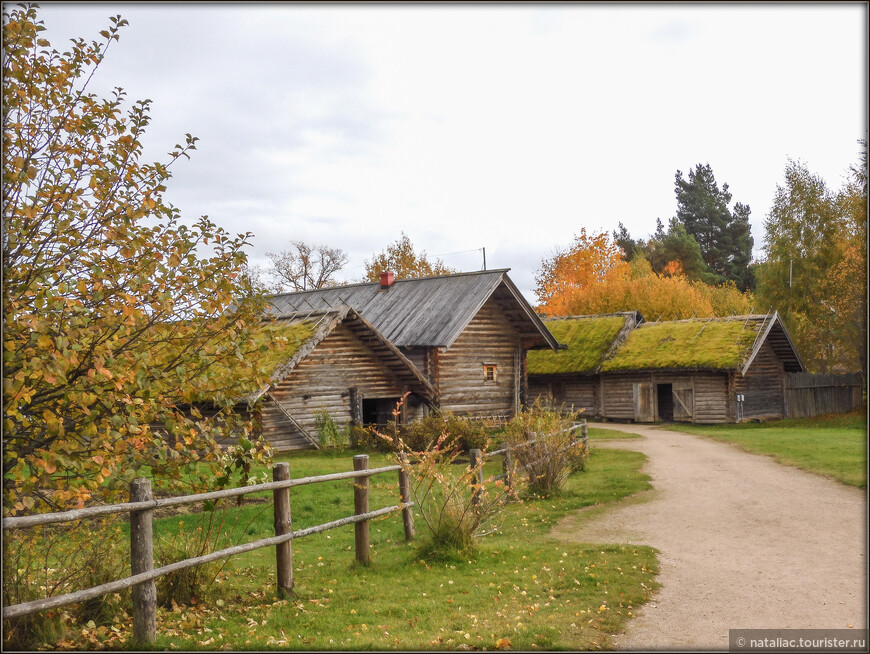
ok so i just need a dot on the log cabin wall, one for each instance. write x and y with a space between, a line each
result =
617 395
711 397
762 386
459 370
323 381
700 397
573 392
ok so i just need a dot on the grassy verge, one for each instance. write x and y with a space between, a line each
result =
834 446
523 589
599 434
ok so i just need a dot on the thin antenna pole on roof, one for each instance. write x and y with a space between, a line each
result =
484 258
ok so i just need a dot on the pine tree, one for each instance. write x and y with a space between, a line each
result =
723 234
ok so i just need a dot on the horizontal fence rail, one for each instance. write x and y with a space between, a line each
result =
141 509
92 512
35 606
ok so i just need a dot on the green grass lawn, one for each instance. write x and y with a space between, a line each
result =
834 446
523 589
598 434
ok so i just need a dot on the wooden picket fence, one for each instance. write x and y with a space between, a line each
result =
142 505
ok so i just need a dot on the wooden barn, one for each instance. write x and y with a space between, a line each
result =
719 370
462 340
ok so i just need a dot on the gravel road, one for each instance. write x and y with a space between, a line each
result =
744 542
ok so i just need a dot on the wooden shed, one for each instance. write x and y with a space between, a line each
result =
717 370
466 334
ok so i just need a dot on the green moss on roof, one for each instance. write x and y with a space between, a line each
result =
588 340
271 346
282 341
722 345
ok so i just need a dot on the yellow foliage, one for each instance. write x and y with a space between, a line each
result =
636 287
587 262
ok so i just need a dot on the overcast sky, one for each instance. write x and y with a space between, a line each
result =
505 127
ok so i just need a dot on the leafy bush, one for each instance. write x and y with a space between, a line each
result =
455 507
462 433
544 448
330 434
368 438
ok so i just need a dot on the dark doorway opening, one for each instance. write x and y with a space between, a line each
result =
665 398
378 410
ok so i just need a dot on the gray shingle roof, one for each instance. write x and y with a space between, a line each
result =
423 312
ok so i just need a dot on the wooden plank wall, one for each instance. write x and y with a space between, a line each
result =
489 338
322 381
617 394
808 395
711 397
762 386
574 393
709 394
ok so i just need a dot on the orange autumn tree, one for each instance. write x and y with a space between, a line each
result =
585 263
636 286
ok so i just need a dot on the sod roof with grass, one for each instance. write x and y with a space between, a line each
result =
711 344
589 338
273 345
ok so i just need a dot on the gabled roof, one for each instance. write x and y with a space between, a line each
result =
727 344
322 325
423 312
589 340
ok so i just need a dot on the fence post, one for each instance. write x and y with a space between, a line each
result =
360 506
507 466
283 525
474 460
584 434
142 560
405 496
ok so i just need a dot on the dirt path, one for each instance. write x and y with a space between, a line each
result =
744 543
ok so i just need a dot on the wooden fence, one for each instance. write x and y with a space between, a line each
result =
808 395
142 505
141 508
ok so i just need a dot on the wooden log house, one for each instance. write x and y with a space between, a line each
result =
458 342
342 360
719 370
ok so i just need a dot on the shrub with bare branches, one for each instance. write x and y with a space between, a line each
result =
545 447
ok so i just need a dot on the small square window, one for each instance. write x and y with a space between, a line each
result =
490 372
